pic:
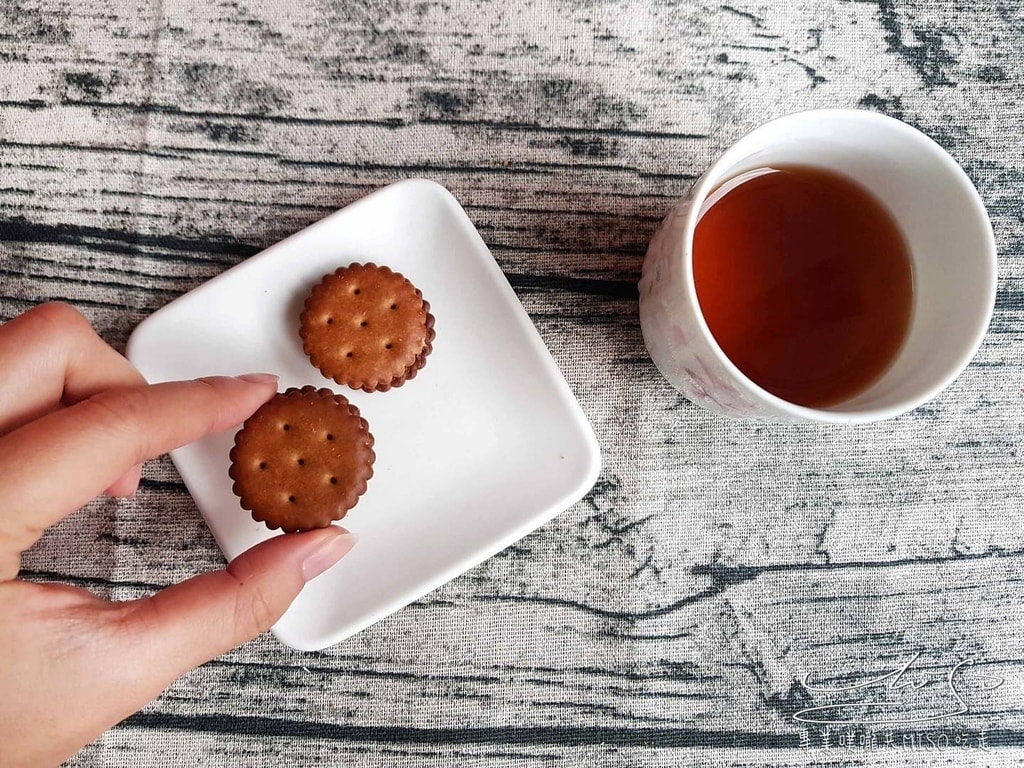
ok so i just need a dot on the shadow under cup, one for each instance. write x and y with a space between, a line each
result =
942 219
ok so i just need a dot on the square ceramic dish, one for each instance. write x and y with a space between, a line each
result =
486 444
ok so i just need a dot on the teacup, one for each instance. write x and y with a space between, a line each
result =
940 214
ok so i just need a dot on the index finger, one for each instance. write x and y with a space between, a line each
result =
51 356
55 464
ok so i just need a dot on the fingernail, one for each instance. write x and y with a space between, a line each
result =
327 554
258 378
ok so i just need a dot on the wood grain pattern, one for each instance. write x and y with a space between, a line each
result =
671 616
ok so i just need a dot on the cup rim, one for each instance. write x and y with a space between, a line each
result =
699 195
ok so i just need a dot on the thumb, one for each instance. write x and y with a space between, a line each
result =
195 621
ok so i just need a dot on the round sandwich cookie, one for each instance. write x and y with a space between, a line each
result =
302 460
367 327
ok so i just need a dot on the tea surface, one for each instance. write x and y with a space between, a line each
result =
806 283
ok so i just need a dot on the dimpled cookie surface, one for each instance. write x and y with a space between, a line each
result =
302 460
367 327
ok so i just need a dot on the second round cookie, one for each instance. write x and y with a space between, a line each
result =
367 327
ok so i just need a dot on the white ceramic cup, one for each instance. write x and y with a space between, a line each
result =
940 214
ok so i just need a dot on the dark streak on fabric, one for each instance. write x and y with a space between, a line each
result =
88 83
650 613
727 575
19 229
595 147
510 736
929 57
611 289
63 280
85 581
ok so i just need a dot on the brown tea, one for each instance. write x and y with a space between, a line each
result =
805 282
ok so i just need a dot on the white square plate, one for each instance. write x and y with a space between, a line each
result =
486 444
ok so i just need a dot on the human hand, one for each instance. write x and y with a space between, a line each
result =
76 419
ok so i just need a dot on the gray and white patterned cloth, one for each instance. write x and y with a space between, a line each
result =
720 570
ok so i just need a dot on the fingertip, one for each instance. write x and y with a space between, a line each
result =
259 378
327 554
291 551
234 398
127 484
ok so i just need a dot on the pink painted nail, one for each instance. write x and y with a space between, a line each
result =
258 378
327 554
